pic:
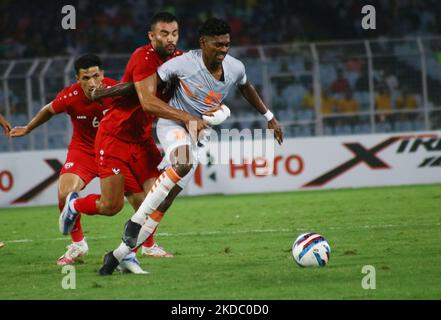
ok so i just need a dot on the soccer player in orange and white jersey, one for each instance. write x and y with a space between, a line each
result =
204 77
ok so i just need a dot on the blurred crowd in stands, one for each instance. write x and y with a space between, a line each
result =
347 95
33 28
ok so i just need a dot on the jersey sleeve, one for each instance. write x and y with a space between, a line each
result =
61 101
142 67
110 82
176 67
241 74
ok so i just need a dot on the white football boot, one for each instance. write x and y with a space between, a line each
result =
67 217
156 251
130 264
74 251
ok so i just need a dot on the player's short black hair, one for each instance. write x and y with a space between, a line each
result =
214 27
86 61
162 17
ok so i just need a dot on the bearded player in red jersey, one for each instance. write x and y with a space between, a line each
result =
80 166
124 142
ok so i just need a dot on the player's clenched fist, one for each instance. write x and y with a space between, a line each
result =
278 133
18 132
194 126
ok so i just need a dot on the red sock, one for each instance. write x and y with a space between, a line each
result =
150 241
87 205
77 231
60 206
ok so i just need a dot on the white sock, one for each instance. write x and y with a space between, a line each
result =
82 243
122 251
146 230
160 190
130 255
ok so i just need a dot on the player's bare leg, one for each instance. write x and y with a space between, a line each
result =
135 199
112 195
108 203
68 183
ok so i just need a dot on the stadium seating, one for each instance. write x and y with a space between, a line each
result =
280 65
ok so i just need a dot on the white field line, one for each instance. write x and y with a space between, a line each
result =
219 232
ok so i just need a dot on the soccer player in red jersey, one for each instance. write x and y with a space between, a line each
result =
80 165
124 142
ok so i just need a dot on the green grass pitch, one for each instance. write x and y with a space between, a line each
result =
238 247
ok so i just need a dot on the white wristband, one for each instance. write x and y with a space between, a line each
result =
268 116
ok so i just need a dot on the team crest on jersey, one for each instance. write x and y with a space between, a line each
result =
68 165
116 170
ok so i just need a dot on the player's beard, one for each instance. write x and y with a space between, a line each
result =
166 51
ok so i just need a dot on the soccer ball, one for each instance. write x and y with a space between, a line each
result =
311 250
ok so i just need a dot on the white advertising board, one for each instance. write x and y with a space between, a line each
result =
30 178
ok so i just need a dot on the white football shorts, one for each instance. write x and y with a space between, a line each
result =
172 135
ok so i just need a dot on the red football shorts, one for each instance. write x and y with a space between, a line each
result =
138 162
82 164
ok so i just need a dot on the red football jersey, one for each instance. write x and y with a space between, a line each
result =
126 120
84 114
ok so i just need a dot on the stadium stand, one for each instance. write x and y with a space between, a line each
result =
317 79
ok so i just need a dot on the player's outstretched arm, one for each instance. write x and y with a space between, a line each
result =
146 90
250 94
41 117
5 124
120 89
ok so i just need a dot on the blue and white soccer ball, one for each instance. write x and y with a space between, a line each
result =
311 250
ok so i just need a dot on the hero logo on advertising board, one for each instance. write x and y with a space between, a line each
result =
261 167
